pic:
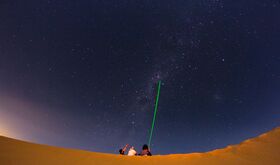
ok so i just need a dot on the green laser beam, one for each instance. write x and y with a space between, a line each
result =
155 112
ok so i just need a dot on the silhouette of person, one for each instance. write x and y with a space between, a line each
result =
132 152
145 151
122 150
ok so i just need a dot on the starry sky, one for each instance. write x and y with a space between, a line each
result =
83 74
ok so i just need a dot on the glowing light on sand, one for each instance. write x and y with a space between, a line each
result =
5 131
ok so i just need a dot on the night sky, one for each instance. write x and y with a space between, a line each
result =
83 74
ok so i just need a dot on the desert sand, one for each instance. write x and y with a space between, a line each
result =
262 150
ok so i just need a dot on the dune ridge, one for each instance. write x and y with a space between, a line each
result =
262 150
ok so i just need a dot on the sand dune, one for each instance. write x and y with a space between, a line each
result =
262 150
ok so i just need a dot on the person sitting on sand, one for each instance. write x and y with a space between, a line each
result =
132 152
123 149
145 151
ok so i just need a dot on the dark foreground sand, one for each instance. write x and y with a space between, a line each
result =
262 150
